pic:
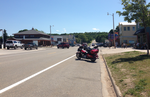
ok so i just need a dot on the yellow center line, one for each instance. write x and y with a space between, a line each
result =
52 53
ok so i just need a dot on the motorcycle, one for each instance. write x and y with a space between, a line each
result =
87 53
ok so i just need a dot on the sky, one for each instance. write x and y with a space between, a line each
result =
65 16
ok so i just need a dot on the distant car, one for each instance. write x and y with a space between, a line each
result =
105 45
93 44
13 44
84 44
100 44
30 46
63 45
78 44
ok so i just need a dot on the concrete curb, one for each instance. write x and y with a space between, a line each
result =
116 88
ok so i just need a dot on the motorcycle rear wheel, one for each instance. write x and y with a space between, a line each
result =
93 60
78 56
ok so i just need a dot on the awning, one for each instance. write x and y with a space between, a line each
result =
140 31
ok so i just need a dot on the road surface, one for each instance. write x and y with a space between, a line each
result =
50 72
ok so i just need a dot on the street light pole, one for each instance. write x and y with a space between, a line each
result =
113 29
50 35
2 37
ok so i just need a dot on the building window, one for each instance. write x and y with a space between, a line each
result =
124 28
131 41
58 39
26 35
31 35
64 40
21 36
128 28
133 28
16 36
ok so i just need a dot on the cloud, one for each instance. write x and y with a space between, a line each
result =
64 29
57 30
95 29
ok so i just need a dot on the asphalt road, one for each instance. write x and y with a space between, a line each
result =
21 74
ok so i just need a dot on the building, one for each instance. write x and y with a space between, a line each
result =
63 38
141 35
126 33
41 39
57 39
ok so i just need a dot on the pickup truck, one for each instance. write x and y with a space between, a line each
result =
30 46
13 44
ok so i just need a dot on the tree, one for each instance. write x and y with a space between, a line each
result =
83 38
77 40
136 10
5 36
23 30
111 31
117 29
39 30
64 34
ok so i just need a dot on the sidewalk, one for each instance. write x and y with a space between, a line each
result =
112 50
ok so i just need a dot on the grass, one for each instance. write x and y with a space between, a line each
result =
131 71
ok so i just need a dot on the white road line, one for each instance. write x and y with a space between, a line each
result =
20 82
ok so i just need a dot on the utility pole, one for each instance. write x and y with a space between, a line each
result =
50 35
113 29
3 38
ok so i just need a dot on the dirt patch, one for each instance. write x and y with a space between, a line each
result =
119 65
107 55
129 83
123 70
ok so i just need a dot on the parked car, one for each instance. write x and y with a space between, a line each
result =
30 46
105 45
78 44
84 44
13 44
93 44
63 45
99 44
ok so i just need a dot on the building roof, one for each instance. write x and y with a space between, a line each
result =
126 23
65 36
41 38
30 32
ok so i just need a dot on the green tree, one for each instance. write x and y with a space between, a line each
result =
117 29
111 31
23 30
78 40
83 38
64 34
136 10
5 36
39 30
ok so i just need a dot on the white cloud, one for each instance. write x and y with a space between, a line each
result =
95 29
64 29
57 30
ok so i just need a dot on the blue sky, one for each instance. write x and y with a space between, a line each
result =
67 16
